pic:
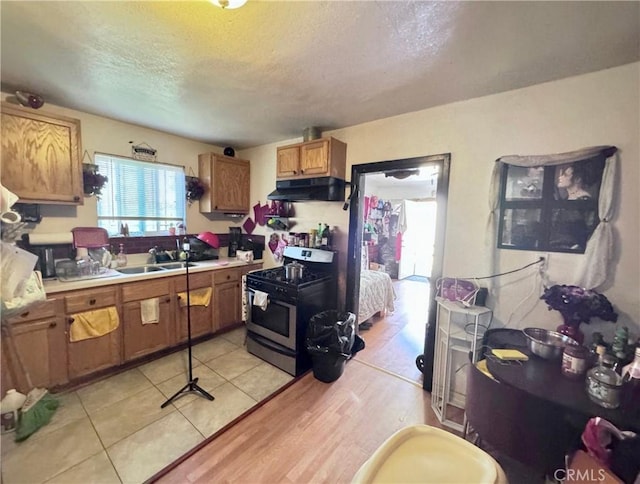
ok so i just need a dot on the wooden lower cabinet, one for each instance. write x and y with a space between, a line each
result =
95 354
227 305
201 316
39 338
141 339
42 333
91 355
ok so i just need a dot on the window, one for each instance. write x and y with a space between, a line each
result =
550 208
148 197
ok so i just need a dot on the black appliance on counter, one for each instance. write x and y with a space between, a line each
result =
235 237
200 251
276 330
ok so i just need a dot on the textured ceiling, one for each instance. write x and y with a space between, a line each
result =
266 71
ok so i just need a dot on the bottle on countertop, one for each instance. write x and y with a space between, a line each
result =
631 383
604 385
325 237
121 257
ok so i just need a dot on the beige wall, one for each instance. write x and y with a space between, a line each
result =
594 109
108 136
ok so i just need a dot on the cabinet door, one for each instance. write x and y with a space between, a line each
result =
91 355
231 184
227 305
201 316
41 156
227 182
42 349
141 339
314 158
288 163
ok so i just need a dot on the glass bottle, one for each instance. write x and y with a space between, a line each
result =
122 257
631 382
325 236
604 385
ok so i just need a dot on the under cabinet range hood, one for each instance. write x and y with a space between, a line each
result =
328 189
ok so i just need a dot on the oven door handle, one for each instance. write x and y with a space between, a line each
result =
272 299
261 340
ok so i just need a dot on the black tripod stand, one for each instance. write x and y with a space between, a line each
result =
192 384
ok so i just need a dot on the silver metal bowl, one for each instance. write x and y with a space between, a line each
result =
547 344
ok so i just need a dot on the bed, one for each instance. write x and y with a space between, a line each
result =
376 294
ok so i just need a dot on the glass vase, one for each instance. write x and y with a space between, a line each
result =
572 331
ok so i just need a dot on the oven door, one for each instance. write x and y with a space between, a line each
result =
276 323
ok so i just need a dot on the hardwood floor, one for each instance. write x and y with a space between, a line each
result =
319 432
394 342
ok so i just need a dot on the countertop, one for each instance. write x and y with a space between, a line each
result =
53 286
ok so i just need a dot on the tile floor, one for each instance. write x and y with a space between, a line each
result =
114 430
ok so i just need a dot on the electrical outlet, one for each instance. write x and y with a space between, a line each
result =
544 265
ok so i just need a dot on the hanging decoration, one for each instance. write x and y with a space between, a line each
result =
194 189
143 152
92 181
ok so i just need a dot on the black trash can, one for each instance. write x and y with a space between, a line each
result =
330 338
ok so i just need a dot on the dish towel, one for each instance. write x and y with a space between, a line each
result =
197 297
245 299
150 310
261 299
92 324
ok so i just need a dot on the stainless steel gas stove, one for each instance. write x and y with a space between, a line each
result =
280 307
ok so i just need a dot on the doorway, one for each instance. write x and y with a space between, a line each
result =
400 169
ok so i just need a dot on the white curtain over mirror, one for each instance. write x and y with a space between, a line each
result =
595 267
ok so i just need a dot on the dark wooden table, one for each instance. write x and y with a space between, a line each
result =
544 379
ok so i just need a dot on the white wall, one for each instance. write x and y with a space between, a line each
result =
594 109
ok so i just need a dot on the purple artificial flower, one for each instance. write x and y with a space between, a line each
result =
578 305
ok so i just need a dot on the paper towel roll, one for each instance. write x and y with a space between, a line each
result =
7 199
51 239
10 217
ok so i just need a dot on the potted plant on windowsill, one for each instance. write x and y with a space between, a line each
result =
92 181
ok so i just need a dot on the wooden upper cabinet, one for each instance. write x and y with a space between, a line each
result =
316 158
288 164
228 183
41 161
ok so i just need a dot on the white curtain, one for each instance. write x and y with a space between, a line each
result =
595 266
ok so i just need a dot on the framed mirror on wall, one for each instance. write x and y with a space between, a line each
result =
552 208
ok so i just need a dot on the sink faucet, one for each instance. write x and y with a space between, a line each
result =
153 256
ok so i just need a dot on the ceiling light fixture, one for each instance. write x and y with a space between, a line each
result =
230 4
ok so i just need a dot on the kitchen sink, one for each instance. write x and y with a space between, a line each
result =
176 265
139 270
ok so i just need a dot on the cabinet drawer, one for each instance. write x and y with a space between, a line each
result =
137 291
89 300
226 275
37 311
201 279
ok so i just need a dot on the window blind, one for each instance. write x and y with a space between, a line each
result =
148 197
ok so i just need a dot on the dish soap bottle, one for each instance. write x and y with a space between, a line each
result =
122 257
